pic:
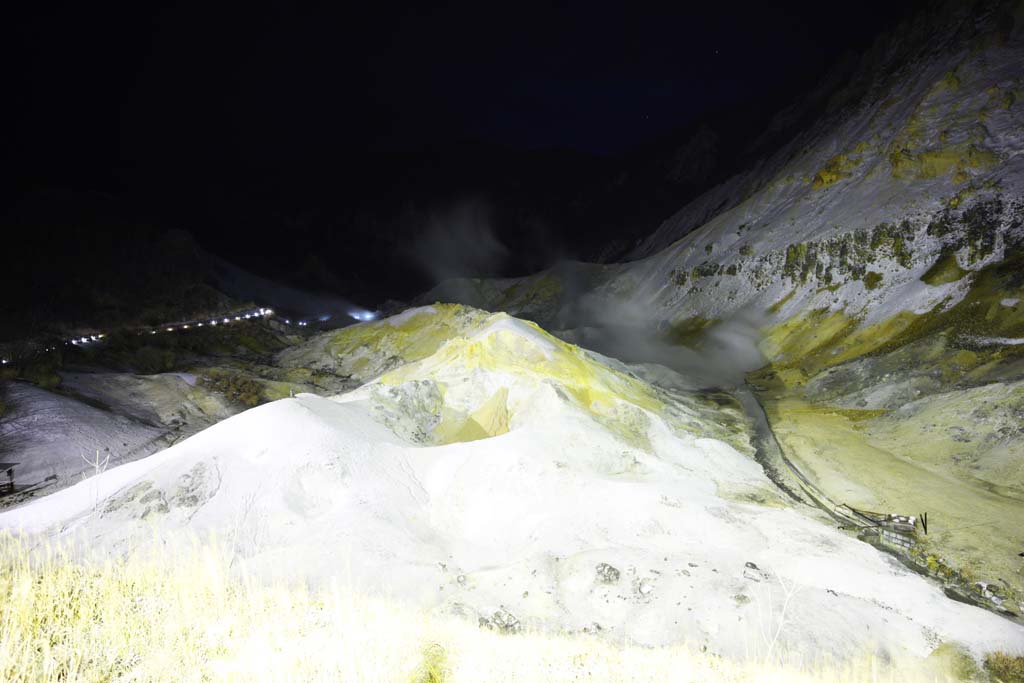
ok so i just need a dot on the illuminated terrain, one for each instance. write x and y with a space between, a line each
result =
493 472
782 440
874 264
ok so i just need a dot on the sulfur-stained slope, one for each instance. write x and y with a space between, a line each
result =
880 254
523 482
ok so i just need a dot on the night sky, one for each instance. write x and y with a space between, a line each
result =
342 125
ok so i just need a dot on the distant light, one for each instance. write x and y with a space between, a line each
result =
237 318
324 318
152 331
185 326
363 315
267 311
170 329
83 340
199 324
227 320
94 337
213 322
3 361
287 321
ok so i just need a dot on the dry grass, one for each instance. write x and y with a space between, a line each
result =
191 619
1005 668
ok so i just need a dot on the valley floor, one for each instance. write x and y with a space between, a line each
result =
974 526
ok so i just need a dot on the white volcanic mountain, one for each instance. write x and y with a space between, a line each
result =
497 472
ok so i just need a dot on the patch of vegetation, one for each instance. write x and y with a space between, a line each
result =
127 618
796 260
946 269
820 339
234 385
949 81
746 250
27 365
974 228
850 255
706 269
893 241
794 255
980 312
933 163
834 170
872 279
149 360
1005 667
777 306
956 660
961 196
433 667
166 352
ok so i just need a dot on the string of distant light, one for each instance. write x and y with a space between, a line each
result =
257 314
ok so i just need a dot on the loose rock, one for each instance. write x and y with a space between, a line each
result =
607 573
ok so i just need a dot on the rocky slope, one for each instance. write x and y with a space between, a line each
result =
128 395
497 472
878 256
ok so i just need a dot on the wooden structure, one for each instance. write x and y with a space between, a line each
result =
7 471
895 530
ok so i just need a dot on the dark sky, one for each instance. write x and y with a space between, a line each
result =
220 117
108 91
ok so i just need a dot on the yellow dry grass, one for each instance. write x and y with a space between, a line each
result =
188 616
